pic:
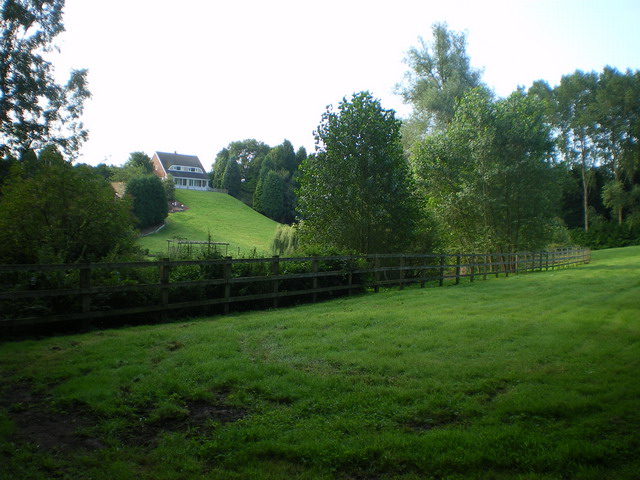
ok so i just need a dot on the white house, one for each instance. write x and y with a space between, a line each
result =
186 170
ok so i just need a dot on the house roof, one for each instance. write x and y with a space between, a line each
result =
169 159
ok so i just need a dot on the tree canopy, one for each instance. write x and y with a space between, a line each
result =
64 214
488 177
440 73
355 191
35 110
149 200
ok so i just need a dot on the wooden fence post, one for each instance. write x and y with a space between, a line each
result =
165 278
458 269
85 294
349 274
485 260
376 276
85 285
227 284
314 284
472 265
275 271
441 280
402 272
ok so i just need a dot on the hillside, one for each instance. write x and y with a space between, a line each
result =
528 377
224 217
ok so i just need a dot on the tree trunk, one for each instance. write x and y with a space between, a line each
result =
585 191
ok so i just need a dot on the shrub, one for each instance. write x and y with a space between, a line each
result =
285 241
149 200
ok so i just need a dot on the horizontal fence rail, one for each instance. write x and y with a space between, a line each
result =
36 294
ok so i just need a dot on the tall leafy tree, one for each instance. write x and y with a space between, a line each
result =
571 109
34 109
487 176
618 118
248 155
355 191
440 74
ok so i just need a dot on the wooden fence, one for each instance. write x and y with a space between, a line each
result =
35 294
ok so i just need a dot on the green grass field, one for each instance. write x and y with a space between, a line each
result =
226 218
529 377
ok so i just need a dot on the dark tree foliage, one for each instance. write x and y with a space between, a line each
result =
149 200
272 198
34 109
597 118
248 155
355 191
231 180
218 167
61 213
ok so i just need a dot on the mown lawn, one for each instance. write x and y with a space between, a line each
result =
529 377
223 217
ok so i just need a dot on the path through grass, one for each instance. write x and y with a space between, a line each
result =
529 377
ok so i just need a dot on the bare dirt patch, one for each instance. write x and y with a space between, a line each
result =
38 423
202 416
71 427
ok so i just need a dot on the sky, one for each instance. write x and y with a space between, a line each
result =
193 76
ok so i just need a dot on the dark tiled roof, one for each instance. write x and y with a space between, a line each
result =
169 159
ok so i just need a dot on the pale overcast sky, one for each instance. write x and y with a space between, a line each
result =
194 75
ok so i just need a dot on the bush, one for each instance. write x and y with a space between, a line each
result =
607 234
62 214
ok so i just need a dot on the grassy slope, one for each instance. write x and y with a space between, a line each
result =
227 219
528 377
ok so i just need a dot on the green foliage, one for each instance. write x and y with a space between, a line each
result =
169 188
35 110
231 180
440 74
219 166
126 172
525 378
355 193
139 164
597 117
141 159
607 234
286 240
255 159
487 178
149 200
272 201
62 214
